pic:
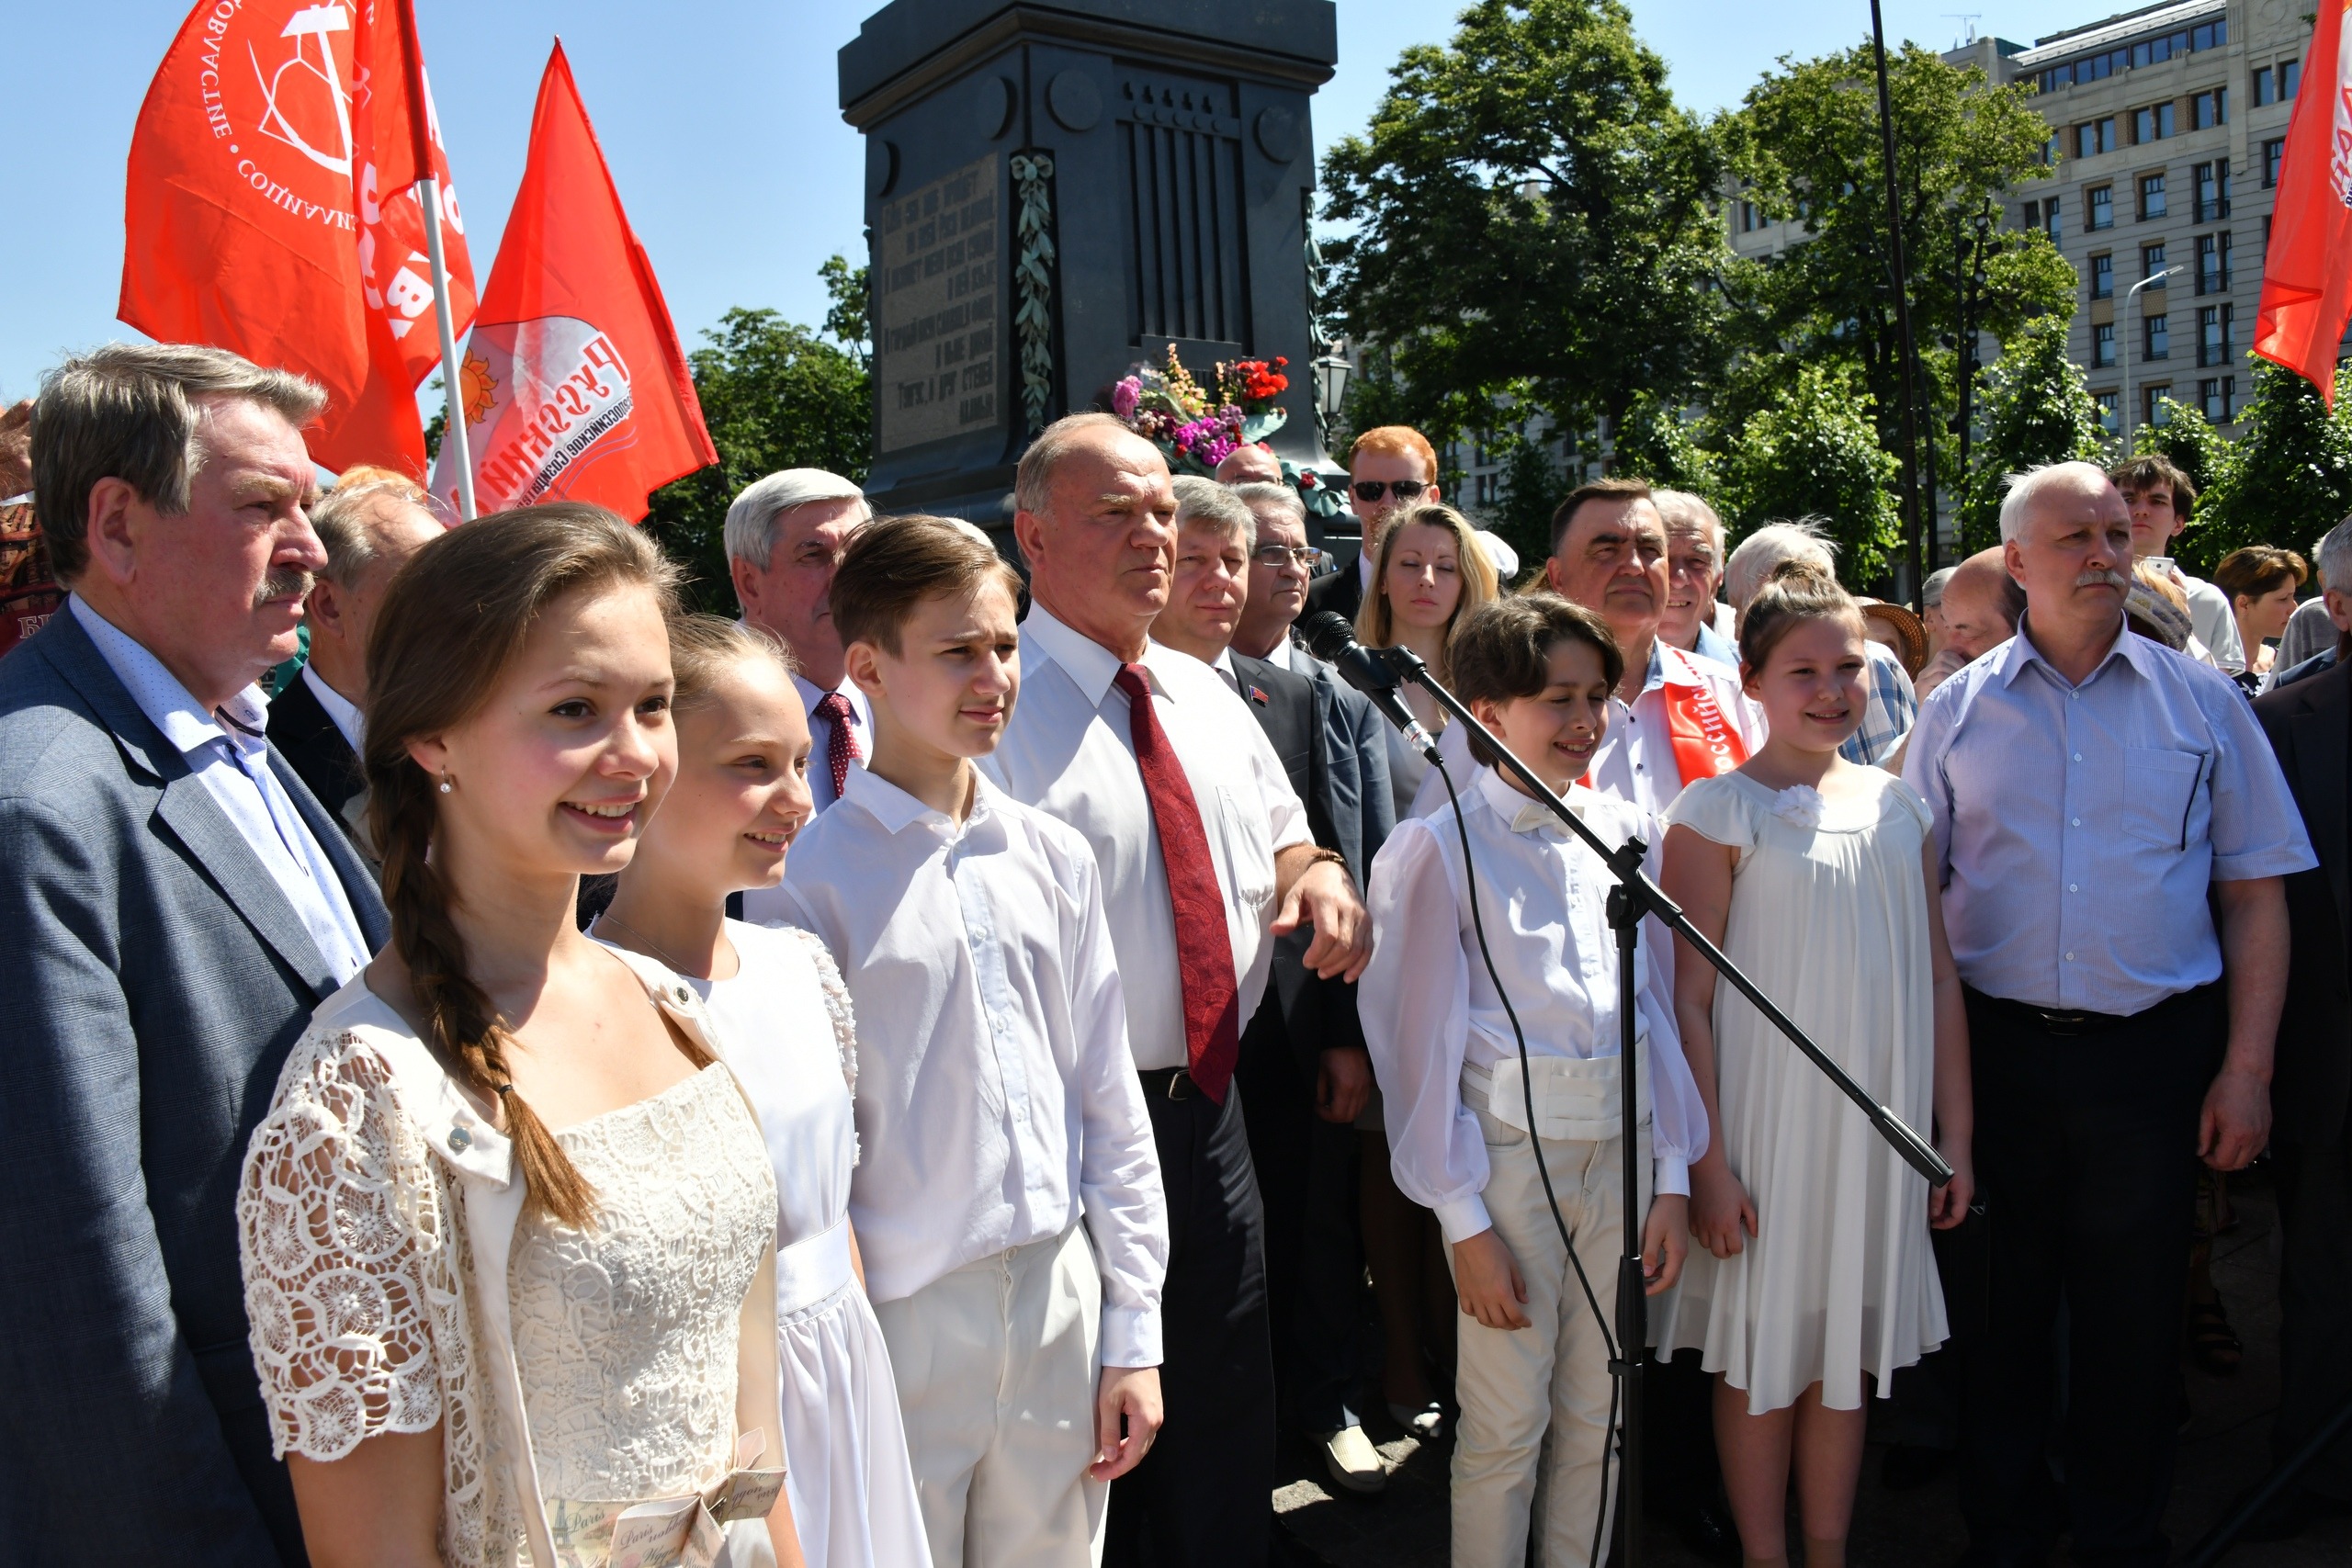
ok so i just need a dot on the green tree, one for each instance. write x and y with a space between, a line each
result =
1530 211
847 320
1805 146
2035 408
1659 443
775 395
2289 477
1815 452
1532 487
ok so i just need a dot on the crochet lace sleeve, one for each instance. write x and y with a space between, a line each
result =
338 1236
837 1006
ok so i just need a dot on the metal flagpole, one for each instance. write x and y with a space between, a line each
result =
453 419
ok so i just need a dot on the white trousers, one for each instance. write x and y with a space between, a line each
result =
996 1365
1535 1400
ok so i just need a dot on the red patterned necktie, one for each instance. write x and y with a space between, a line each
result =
1203 944
840 746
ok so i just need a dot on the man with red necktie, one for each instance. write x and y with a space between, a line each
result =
1206 857
784 535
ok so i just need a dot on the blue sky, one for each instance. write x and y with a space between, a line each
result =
719 117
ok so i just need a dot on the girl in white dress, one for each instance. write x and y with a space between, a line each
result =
1813 1274
740 796
506 1230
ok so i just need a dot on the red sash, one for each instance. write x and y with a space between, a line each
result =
1705 743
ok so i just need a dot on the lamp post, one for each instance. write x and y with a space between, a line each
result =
1332 368
2131 297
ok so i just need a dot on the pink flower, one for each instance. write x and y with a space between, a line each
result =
1123 397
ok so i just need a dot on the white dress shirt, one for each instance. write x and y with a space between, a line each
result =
1637 758
996 1099
2078 826
1069 751
343 714
230 754
1428 1007
2214 623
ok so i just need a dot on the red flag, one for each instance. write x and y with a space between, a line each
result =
575 388
2307 271
267 210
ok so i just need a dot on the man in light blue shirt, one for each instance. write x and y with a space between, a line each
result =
2088 788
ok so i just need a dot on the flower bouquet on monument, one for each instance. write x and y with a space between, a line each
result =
1194 427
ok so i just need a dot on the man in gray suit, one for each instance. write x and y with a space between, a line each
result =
175 902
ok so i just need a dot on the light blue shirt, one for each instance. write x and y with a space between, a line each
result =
2078 827
229 751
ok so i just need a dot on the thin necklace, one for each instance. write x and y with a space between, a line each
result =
658 950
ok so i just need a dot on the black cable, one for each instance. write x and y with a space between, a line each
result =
1535 1142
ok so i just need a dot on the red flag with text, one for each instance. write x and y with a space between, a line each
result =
574 386
269 209
2307 271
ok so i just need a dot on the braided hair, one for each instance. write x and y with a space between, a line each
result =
453 621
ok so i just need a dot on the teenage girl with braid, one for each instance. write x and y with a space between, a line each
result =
507 1229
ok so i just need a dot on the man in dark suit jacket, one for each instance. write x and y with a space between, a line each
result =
175 903
2309 727
1303 1071
371 524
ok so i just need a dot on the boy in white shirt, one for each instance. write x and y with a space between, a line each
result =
997 1102
1537 671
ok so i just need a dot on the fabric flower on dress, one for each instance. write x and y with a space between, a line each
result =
1800 805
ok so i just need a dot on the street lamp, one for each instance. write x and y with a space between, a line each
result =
1331 373
2123 414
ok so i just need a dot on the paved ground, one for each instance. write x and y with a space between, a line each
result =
2224 1449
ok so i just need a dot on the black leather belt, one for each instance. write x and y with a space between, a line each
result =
1168 1083
2061 1023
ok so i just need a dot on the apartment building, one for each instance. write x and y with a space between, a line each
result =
2167 124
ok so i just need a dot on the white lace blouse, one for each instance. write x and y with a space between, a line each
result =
392 1283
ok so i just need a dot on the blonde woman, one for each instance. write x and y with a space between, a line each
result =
1431 571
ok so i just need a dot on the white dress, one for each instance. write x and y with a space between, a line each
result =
785 1019
1829 915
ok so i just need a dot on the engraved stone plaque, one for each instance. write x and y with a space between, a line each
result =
939 272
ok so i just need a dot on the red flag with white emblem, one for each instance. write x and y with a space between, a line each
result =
2307 270
574 386
269 209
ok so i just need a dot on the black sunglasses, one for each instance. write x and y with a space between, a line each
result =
1403 489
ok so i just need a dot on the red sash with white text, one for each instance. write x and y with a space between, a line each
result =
1705 743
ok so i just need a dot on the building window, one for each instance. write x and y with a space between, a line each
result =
2102 277
2152 196
2273 152
2210 35
2094 137
2030 217
2151 124
2212 181
1485 489
2219 395
2103 343
2151 259
2216 335
2106 401
2050 225
2102 206
2050 148
2156 343
2207 110
2157 410
2266 86
2290 77
2214 264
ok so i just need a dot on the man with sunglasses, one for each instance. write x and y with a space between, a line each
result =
1391 469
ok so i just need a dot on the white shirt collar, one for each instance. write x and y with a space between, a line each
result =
897 810
1523 813
2132 648
1090 665
340 708
159 693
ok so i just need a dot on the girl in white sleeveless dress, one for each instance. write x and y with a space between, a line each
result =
781 1008
1813 1274
507 1228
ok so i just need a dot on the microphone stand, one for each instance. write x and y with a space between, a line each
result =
1634 896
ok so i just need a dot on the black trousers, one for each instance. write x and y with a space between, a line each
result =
1203 1495
2314 1186
1307 1180
2086 1157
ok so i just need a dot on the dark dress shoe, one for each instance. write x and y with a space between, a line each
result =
1707 1529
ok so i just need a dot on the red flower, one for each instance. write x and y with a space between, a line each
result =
1307 479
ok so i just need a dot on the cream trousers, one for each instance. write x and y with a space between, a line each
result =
996 1365
1535 1400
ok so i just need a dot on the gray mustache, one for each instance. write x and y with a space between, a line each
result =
284 582
2111 579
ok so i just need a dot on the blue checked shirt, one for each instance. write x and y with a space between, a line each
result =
1888 709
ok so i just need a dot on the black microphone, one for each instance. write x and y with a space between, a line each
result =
1332 641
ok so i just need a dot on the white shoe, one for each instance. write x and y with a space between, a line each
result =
1424 1423
1354 1463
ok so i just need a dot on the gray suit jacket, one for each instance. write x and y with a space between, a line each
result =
156 978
